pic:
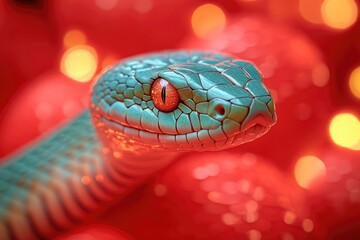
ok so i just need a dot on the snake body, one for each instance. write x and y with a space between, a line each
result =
126 135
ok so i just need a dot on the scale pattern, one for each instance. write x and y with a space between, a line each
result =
63 179
204 81
30 182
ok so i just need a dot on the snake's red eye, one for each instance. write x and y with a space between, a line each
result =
164 95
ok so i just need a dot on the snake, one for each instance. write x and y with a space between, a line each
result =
144 113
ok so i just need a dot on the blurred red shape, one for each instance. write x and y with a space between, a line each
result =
217 196
294 71
127 27
95 231
335 201
28 44
40 106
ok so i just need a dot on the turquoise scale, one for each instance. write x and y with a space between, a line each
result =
127 121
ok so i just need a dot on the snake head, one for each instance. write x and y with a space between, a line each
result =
181 101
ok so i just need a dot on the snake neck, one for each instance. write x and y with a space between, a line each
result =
137 165
68 178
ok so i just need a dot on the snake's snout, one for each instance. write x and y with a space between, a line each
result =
260 114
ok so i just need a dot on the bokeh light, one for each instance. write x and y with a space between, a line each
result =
208 20
354 82
320 75
344 130
74 37
106 4
309 169
308 225
79 63
339 14
310 10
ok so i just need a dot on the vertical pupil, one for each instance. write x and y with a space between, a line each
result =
163 94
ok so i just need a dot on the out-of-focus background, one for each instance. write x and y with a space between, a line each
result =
307 50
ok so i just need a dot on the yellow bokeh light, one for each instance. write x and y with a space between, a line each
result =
79 63
356 146
354 82
339 14
208 20
310 10
308 169
344 130
74 37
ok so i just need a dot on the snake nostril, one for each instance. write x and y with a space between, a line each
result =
219 110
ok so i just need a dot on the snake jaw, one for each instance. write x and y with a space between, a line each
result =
124 137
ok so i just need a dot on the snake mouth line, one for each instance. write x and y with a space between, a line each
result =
194 140
250 134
